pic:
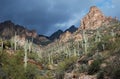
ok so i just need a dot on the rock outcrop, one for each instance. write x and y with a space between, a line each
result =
94 19
8 30
65 36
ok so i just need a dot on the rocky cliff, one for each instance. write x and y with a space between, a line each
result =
94 19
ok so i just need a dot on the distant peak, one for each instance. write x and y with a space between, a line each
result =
56 35
93 7
94 19
72 29
94 10
8 21
73 26
59 30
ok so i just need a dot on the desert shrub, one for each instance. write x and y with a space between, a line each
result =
113 68
100 75
116 74
83 68
94 67
6 44
64 66
13 67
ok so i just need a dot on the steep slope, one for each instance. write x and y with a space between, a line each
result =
96 55
93 20
8 30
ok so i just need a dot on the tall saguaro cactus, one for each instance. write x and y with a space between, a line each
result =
1 46
98 36
50 58
74 49
30 45
112 33
25 55
85 42
15 42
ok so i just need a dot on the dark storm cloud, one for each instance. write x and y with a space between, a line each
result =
45 16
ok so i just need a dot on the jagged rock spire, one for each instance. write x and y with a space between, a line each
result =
94 19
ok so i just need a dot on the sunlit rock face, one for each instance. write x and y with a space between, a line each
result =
77 37
8 29
94 19
31 33
66 36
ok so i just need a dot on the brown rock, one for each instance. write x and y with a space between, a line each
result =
84 76
103 65
90 62
77 37
65 37
94 19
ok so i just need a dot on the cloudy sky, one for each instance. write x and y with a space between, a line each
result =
47 16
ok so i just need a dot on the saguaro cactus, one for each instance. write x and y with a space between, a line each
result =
15 42
85 42
50 58
74 49
112 33
1 46
25 55
30 45
12 43
98 36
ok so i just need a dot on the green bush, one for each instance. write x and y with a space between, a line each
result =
94 67
100 75
13 67
116 74
113 68
64 66
83 68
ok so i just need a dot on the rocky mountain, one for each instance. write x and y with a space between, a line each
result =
65 36
60 34
91 52
72 29
94 19
56 35
42 40
8 30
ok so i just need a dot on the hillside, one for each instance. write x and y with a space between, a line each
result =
90 52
